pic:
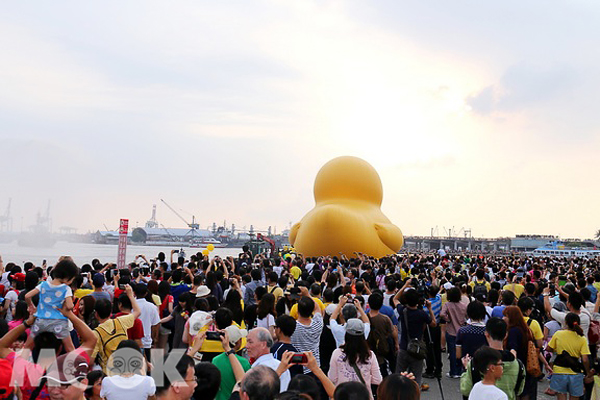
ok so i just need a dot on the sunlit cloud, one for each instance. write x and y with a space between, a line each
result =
472 117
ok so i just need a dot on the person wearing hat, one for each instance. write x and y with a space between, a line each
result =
202 291
66 378
195 324
28 374
354 361
232 342
348 311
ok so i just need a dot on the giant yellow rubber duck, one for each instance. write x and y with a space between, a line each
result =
347 216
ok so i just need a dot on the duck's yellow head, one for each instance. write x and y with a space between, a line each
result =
348 178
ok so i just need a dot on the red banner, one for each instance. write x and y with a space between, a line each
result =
123 227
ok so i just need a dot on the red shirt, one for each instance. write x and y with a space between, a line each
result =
164 304
136 332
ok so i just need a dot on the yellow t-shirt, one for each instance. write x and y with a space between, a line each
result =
212 346
516 288
596 389
444 298
294 310
570 341
487 284
79 293
275 291
296 272
126 321
403 274
538 334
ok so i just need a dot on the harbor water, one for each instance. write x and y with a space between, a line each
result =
83 253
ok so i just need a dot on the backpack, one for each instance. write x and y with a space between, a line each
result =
480 288
536 313
110 340
594 330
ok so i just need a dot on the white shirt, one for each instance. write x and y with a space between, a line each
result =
110 289
584 319
4 281
12 297
488 314
339 331
134 387
486 392
386 299
278 270
269 361
149 317
266 322
590 307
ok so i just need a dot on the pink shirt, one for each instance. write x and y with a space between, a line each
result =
341 371
13 324
455 315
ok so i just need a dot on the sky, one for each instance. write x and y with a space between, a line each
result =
476 115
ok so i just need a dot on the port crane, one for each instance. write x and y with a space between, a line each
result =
44 222
6 220
194 226
171 236
152 223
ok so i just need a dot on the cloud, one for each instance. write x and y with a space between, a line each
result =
484 102
523 87
230 109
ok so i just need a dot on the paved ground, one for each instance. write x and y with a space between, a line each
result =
451 387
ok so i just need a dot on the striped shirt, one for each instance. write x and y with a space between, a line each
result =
436 306
307 338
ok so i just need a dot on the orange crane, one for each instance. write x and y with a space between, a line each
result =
259 236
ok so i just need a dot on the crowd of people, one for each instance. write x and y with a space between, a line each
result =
294 327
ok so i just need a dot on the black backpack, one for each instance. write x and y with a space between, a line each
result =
480 288
536 313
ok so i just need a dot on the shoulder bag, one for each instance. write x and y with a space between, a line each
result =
415 348
533 362
357 371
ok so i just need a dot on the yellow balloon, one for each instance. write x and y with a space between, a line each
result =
210 247
285 248
347 216
205 252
